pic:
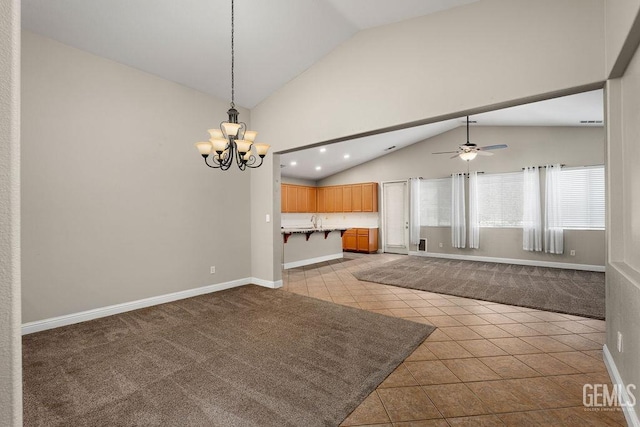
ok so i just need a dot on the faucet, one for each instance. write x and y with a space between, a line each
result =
314 221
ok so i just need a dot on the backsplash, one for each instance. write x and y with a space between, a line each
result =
338 220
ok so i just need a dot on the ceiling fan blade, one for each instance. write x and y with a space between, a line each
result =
445 152
493 147
484 153
453 157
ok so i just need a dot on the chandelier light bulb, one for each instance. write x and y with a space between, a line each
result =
204 148
215 133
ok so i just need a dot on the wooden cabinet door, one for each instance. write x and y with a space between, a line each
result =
349 240
370 197
283 198
363 239
330 199
339 202
292 198
373 240
356 198
312 201
302 201
346 198
321 200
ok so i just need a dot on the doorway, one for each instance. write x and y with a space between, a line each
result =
395 217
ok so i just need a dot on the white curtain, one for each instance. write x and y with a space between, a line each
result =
474 219
414 215
531 218
553 232
458 220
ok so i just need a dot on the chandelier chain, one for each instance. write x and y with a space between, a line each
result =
232 58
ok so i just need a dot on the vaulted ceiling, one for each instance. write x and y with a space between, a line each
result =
188 41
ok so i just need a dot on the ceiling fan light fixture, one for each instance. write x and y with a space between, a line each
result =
468 155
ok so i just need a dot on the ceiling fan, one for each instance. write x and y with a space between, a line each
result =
469 151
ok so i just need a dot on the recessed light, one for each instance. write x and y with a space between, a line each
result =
322 150
293 163
318 168
346 156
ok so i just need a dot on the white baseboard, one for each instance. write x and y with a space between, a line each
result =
266 283
83 316
310 261
535 263
629 411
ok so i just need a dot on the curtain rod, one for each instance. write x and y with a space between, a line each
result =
562 165
465 174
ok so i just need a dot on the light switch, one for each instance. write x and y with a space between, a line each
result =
268 218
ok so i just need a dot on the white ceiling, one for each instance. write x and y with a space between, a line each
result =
188 41
564 111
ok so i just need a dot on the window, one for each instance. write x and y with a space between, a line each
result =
500 200
435 202
582 191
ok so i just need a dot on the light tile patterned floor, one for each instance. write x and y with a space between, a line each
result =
487 364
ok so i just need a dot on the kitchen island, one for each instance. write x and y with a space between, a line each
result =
307 245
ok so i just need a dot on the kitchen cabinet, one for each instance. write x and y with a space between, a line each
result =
339 204
312 195
360 240
356 198
302 199
297 198
370 197
335 199
330 199
292 198
283 198
350 240
321 199
346 199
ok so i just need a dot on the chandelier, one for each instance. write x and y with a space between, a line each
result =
232 142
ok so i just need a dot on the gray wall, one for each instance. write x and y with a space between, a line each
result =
507 243
528 146
620 38
623 263
422 70
299 181
10 345
117 203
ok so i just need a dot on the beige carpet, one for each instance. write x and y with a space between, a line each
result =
248 356
552 289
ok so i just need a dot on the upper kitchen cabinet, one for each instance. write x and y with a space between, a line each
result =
370 197
346 199
297 198
335 199
356 198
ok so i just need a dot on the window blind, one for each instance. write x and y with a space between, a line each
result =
583 198
435 202
500 199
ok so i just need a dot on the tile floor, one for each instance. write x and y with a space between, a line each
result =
487 364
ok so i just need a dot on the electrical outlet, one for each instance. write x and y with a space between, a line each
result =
619 342
440 244
573 252
213 269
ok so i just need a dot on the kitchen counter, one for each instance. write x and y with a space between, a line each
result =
308 231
